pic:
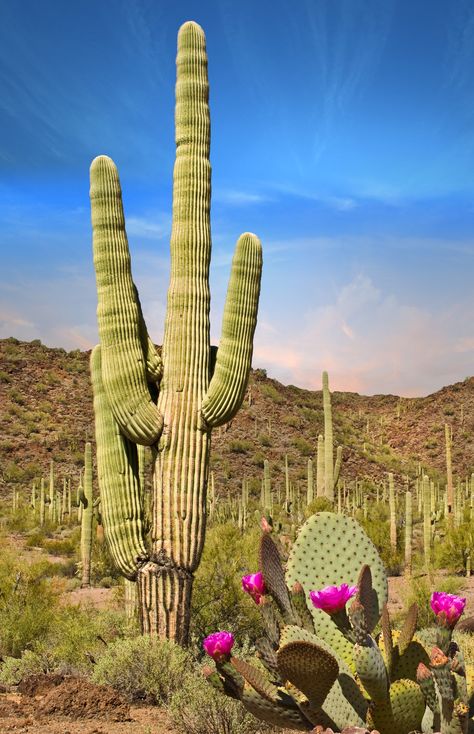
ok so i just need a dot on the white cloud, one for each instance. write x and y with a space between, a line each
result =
238 198
370 342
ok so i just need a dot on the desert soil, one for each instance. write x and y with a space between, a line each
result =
53 705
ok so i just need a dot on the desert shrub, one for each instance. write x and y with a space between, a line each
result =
239 446
77 633
197 708
61 546
319 504
378 531
218 601
271 392
13 670
102 564
456 546
291 420
143 668
465 641
303 446
107 582
27 604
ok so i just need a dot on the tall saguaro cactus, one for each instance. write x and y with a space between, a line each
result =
331 471
173 402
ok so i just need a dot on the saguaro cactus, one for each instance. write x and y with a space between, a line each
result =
87 517
331 471
170 403
449 469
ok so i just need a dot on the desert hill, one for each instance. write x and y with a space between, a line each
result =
46 413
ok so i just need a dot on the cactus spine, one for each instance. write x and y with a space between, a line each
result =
192 397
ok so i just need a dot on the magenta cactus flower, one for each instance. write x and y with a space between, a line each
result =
218 645
447 607
254 585
332 599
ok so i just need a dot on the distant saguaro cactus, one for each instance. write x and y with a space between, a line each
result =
331 471
87 517
170 403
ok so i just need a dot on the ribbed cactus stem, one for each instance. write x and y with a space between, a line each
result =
393 512
52 505
337 465
427 522
408 530
69 500
42 505
176 416
64 499
287 482
87 517
471 498
449 468
212 497
33 496
320 467
328 441
310 487
130 598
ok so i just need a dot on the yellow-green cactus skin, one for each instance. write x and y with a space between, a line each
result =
169 402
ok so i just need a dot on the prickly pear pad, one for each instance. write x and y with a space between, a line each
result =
331 549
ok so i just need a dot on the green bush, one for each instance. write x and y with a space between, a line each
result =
303 446
14 670
27 604
197 708
218 601
77 633
378 530
143 668
456 546
271 392
239 446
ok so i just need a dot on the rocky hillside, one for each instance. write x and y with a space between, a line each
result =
46 413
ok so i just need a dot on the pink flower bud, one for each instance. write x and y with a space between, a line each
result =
266 524
218 645
447 607
254 585
332 599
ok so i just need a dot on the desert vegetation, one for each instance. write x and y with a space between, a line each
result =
321 556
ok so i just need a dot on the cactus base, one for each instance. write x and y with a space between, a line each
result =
164 598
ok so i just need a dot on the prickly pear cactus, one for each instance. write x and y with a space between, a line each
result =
329 550
323 671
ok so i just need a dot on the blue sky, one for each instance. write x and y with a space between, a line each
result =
342 134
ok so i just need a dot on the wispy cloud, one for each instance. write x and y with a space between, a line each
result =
370 342
233 197
153 226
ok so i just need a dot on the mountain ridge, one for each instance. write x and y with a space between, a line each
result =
46 413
